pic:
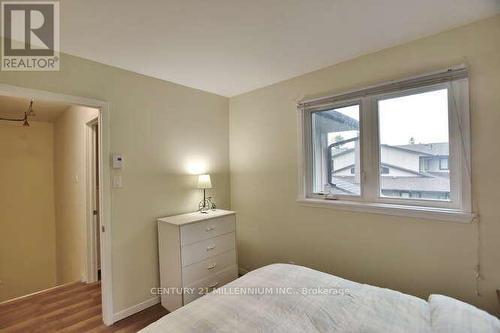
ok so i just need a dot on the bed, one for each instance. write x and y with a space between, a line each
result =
291 298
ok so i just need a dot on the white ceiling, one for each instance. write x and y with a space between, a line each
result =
233 46
14 107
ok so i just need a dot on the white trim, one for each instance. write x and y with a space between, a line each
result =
428 213
135 308
90 185
302 152
462 121
40 292
104 175
370 167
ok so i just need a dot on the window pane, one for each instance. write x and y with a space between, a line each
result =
336 151
414 146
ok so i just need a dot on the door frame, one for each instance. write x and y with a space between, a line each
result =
104 210
90 185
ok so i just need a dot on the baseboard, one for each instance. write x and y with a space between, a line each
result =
150 302
242 271
40 292
135 308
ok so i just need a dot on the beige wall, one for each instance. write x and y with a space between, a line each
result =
27 221
160 128
414 256
70 192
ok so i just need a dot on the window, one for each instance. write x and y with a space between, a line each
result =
396 146
443 163
413 126
336 132
424 164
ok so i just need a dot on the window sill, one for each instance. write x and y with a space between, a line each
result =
428 213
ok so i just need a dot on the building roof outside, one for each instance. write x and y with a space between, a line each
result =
430 149
436 149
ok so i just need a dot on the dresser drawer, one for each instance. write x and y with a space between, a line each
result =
196 252
208 267
219 279
195 232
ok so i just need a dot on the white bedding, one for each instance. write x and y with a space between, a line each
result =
363 308
449 315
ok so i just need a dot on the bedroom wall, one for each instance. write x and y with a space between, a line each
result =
163 130
414 256
27 220
70 192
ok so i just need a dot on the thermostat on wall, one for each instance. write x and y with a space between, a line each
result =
117 161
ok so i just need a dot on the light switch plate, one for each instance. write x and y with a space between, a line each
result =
117 181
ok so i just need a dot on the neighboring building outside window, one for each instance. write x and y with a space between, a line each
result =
400 178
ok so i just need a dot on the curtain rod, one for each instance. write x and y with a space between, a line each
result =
446 75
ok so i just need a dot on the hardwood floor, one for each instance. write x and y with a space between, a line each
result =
74 307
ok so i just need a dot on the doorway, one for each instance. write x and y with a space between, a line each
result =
98 230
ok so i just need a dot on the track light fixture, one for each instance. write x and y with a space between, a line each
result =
29 113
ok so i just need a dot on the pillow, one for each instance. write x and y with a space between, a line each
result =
451 315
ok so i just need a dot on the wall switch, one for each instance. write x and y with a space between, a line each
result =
117 182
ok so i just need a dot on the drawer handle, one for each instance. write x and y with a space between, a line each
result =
210 248
212 266
210 228
213 285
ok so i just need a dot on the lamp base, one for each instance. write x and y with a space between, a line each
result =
206 205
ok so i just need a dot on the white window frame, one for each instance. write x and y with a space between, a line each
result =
459 208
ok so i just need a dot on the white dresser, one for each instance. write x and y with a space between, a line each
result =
197 253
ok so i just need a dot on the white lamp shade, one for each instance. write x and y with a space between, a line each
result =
204 181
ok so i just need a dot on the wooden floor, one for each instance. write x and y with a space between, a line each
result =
74 307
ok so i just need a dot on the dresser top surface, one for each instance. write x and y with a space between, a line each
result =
194 217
